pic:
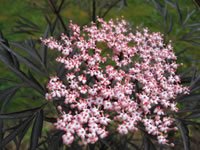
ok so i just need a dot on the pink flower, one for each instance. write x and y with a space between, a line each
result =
131 84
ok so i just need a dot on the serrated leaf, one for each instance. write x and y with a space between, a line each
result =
16 132
184 133
36 131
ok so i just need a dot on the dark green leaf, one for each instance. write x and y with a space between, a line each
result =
30 22
188 35
36 131
170 24
2 39
61 71
122 5
24 60
195 37
148 145
171 3
184 133
188 17
23 76
16 132
187 71
22 31
192 24
165 14
190 98
158 6
53 27
195 82
9 95
179 13
193 42
8 80
158 22
18 115
43 48
52 120
1 130
22 134
194 72
106 143
28 50
195 89
184 50
187 122
6 59
31 45
6 92
134 145
35 81
11 58
194 115
55 141
43 143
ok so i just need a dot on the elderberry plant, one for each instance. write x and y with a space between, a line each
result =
140 86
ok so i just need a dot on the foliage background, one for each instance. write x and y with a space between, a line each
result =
142 13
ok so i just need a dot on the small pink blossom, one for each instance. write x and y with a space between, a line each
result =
131 84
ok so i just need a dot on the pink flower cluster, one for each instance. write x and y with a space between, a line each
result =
139 87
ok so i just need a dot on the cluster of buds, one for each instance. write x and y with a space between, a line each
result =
135 82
